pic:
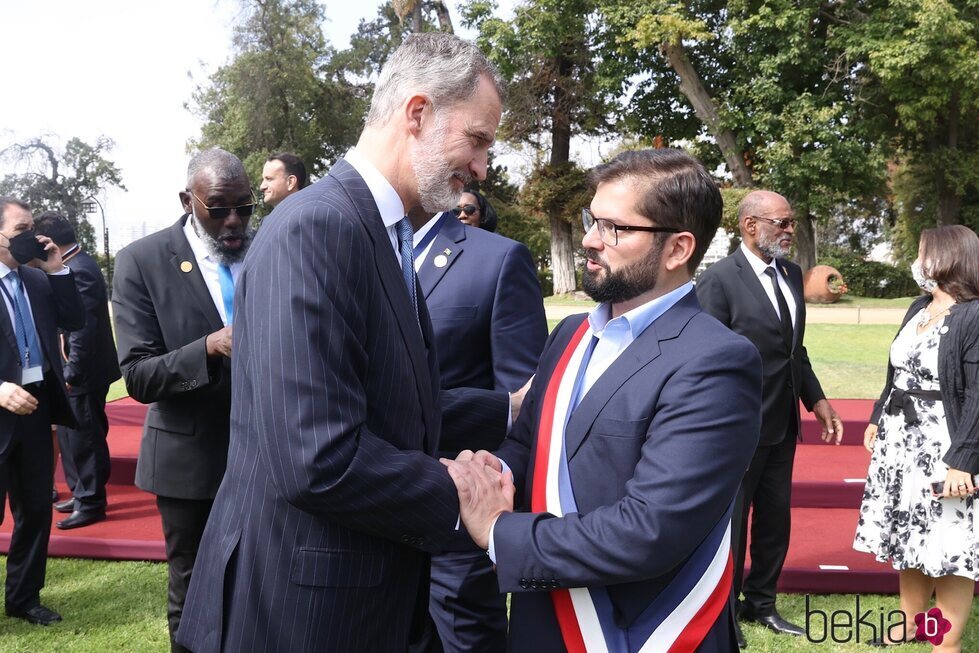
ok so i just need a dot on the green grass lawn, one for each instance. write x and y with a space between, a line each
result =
850 360
121 606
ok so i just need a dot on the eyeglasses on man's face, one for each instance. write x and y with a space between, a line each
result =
608 231
222 212
468 209
781 223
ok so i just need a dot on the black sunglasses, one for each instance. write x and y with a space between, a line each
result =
468 209
222 212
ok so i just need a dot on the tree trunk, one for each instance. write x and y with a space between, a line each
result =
805 239
562 241
703 105
442 12
949 201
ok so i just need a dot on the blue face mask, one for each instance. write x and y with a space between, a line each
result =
926 284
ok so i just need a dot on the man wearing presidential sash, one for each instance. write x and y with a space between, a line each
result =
633 439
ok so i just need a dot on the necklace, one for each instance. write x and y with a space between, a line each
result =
927 317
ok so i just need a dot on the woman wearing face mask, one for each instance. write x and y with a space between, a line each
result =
925 430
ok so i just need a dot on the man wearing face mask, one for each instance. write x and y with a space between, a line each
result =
32 397
757 293
173 295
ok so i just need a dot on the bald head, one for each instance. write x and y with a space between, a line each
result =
760 216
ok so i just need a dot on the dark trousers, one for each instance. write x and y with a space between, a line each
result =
183 526
767 492
466 604
85 452
25 477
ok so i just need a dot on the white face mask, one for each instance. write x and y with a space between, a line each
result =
926 284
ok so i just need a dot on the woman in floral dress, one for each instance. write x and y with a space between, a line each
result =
925 430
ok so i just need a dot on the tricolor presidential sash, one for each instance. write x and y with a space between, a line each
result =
687 608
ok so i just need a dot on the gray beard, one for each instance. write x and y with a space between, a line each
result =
216 249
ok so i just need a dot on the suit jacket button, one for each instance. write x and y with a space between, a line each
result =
524 584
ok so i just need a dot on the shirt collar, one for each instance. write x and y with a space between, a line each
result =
640 317
758 265
388 201
4 270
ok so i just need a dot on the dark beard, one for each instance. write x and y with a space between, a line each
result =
625 284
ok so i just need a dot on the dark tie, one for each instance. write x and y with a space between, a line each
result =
406 237
783 307
31 354
227 283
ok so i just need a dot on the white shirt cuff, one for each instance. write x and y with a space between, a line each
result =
63 271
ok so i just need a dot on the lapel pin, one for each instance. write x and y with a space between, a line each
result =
440 261
186 266
943 330
446 251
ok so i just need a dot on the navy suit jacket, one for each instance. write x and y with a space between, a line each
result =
163 313
732 292
54 304
487 314
656 452
321 533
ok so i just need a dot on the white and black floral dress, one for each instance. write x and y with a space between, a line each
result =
900 520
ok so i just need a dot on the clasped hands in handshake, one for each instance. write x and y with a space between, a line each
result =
485 491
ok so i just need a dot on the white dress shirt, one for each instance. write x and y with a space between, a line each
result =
208 264
759 266
388 201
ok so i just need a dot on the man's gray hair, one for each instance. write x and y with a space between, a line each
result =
442 66
225 165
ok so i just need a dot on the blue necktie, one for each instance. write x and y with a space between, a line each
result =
406 236
30 350
227 283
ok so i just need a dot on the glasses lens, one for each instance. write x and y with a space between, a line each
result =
587 220
607 232
469 209
219 212
244 210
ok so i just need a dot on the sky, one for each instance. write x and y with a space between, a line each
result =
125 69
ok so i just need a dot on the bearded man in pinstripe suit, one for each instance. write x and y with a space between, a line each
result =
333 502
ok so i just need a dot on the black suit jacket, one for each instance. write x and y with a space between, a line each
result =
732 292
54 303
163 312
320 536
91 358
487 314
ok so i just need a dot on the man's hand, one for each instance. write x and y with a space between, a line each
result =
484 494
219 343
832 424
482 457
869 436
53 262
516 399
17 400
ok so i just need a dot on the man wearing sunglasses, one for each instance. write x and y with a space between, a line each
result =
172 301
757 292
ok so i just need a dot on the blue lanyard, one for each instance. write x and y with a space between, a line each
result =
430 236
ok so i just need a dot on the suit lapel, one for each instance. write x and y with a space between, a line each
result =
643 351
449 244
8 329
796 288
36 297
392 281
753 284
185 264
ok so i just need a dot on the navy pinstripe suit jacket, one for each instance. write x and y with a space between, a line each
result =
333 501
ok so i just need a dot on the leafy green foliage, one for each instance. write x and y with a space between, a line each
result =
873 278
282 90
61 179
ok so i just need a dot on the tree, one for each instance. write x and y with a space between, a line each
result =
771 88
560 87
917 65
282 90
417 10
61 179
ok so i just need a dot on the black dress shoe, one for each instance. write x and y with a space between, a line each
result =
773 622
67 506
37 615
78 519
739 636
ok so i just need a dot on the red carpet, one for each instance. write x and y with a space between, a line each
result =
827 488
